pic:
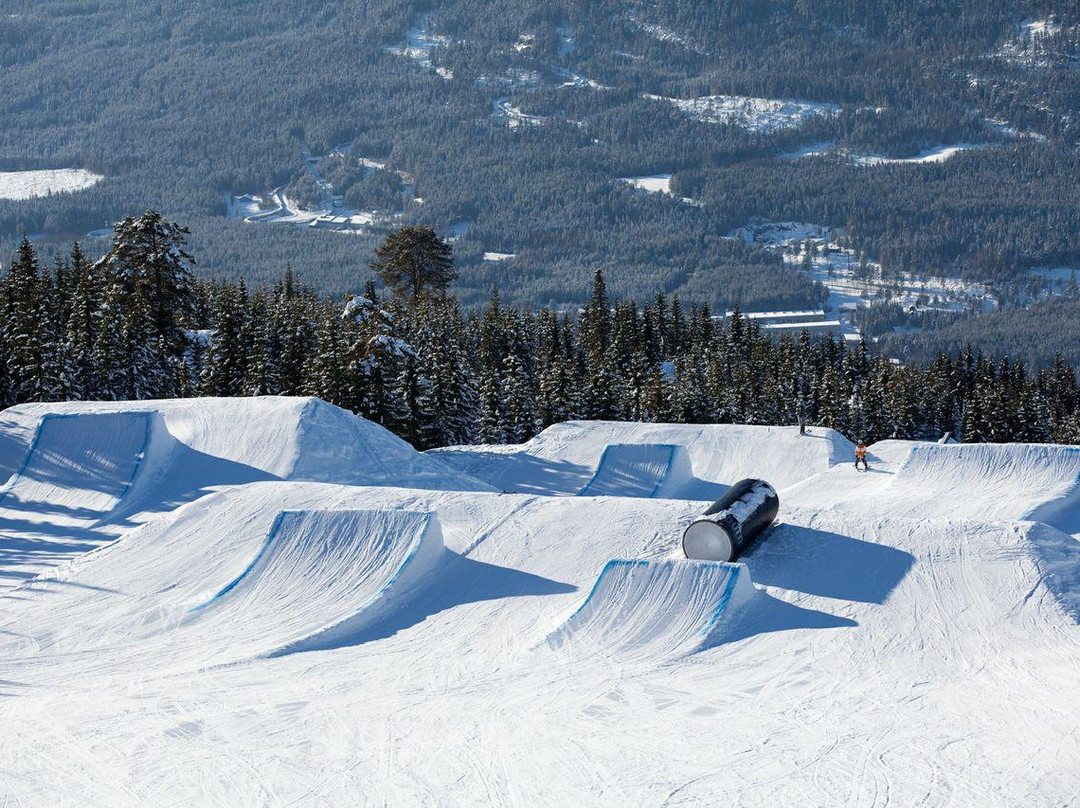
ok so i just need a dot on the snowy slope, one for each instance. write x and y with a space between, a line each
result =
84 472
956 481
257 438
907 635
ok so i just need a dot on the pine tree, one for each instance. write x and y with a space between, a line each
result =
262 345
414 262
324 371
80 371
226 360
24 328
519 415
491 428
373 352
148 259
450 398
51 334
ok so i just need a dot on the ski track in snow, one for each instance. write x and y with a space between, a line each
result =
285 604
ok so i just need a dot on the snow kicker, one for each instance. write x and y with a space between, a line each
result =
75 474
655 609
991 481
320 577
640 470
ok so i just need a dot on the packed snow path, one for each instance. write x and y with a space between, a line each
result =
301 609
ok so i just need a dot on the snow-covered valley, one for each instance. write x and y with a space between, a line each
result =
854 281
223 601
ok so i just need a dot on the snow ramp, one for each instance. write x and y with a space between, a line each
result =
230 441
990 481
655 609
561 459
640 470
76 473
320 577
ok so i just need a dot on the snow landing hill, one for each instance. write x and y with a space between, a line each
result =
270 601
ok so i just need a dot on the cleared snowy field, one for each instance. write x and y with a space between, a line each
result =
755 114
28 184
657 184
271 601
938 154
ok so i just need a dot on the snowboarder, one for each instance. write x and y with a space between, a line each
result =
860 454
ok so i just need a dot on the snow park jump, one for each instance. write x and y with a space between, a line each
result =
986 481
320 576
221 598
643 470
76 472
655 610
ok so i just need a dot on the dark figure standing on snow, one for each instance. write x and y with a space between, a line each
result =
860 455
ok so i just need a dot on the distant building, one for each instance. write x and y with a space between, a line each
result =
813 327
765 318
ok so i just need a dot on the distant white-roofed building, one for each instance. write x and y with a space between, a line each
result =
779 317
813 327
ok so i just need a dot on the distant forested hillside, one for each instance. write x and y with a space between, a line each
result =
1034 335
508 125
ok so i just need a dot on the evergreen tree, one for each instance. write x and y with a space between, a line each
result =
414 262
80 336
24 330
148 259
226 362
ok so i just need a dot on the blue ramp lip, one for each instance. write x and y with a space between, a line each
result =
235 582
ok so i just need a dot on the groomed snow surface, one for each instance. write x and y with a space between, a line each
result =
271 601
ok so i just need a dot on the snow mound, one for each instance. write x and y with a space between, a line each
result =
319 577
640 470
77 470
990 481
563 458
265 437
655 610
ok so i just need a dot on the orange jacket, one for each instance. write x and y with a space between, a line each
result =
860 451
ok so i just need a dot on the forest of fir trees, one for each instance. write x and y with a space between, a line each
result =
136 324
